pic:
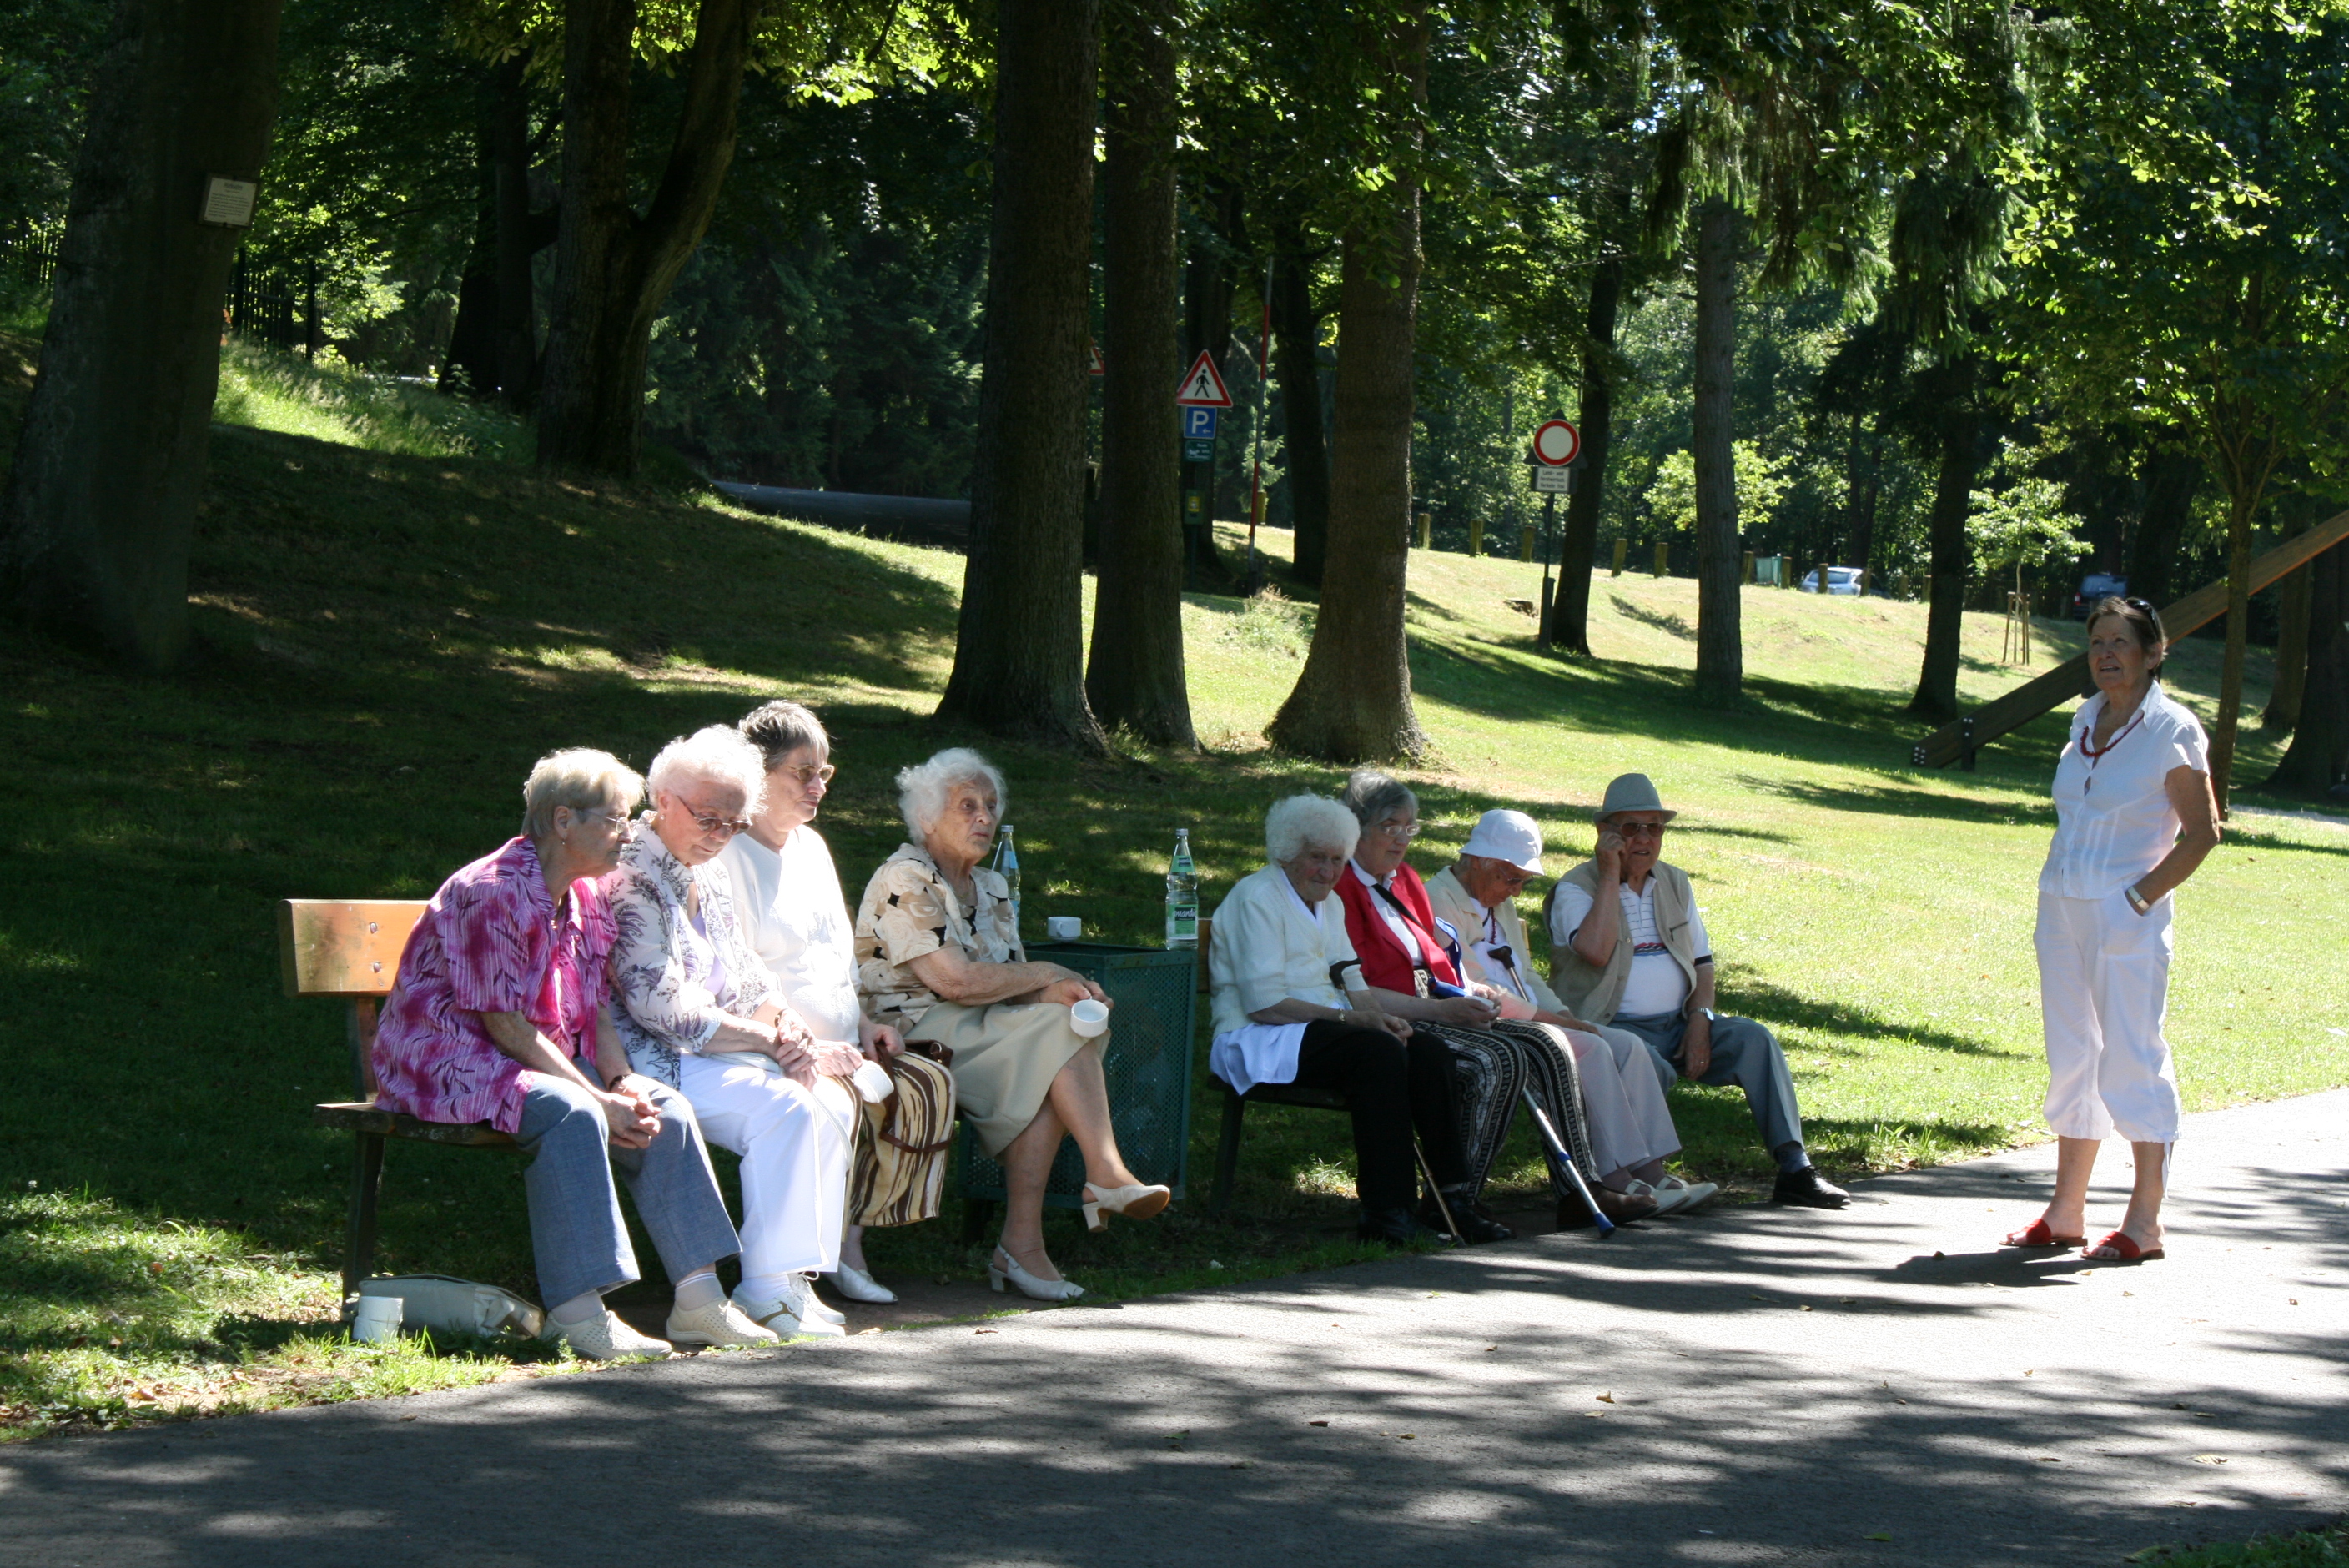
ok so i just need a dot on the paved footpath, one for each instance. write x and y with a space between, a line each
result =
1754 1387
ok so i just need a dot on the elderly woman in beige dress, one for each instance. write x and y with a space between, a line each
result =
939 959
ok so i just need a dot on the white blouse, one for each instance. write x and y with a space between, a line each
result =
794 918
1269 946
2114 822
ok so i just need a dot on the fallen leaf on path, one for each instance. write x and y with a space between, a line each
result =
1607 1398
1881 1535
2209 1458
986 1331
1319 1421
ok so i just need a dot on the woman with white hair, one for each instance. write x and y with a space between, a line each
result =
940 959
502 1014
1290 1006
702 1014
1629 1126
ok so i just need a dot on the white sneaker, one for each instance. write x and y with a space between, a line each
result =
793 1313
858 1285
1674 1196
605 1338
717 1324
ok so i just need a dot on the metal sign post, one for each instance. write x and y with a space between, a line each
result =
1557 446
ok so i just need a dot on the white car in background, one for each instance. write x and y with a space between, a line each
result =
1840 580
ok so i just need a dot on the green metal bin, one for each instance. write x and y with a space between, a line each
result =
1152 992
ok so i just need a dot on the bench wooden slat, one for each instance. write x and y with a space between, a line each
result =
360 1117
334 947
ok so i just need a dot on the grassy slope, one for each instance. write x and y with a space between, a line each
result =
388 641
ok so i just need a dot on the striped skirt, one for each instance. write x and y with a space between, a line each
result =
1492 1067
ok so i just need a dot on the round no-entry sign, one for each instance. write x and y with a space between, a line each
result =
1556 443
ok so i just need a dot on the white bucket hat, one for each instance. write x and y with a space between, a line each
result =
1631 793
1510 836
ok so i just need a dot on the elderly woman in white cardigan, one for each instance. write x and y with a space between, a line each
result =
1631 1132
701 1013
1290 1007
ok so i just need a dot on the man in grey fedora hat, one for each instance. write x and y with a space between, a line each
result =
1628 948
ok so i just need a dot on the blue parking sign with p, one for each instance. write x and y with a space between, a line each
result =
1199 424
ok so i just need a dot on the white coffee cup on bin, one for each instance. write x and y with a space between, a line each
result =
874 1082
377 1320
1089 1018
1064 928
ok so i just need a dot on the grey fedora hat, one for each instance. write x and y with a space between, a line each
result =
1631 793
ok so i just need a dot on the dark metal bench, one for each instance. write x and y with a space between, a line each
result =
1228 1141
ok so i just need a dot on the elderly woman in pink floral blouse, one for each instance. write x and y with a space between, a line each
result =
500 1015
700 1011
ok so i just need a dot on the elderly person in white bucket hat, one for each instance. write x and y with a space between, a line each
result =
1631 1131
1627 947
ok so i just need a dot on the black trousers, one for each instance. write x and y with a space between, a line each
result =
1390 1088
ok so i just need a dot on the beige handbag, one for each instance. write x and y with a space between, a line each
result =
900 1172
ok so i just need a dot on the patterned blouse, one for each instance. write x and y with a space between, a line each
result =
491 941
907 911
675 984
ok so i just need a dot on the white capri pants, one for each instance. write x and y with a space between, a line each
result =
794 1143
1621 1100
2104 989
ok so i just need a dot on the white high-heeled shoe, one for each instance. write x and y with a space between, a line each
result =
857 1285
1135 1202
1003 1266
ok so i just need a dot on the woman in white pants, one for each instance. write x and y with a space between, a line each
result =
788 898
702 1014
1631 1132
2134 816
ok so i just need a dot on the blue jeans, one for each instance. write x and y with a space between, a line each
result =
576 1228
1743 1053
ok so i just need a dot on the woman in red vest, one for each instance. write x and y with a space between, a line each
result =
1410 962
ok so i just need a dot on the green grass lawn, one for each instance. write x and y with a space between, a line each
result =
388 638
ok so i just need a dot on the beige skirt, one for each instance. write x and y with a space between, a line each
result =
1005 1056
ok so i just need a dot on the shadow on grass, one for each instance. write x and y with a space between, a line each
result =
1781 1007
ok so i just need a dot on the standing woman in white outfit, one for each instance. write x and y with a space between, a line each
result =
2134 816
796 919
702 1014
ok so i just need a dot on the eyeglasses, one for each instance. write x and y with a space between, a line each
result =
712 822
1641 830
808 773
620 820
1405 831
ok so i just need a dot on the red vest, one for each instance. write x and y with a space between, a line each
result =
1386 962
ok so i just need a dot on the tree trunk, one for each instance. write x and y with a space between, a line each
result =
1569 621
1937 684
1134 676
1863 543
1720 646
2319 757
2239 507
1019 657
613 267
2170 480
101 503
1296 350
516 236
1352 700
2291 653
471 365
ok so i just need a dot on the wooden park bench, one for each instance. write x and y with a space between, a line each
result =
1235 1104
329 948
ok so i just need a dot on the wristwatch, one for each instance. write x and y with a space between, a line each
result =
2136 900
1709 1016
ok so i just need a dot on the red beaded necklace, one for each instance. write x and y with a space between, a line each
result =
2093 752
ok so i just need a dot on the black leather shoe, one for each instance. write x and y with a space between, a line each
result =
1810 1189
1476 1223
1393 1226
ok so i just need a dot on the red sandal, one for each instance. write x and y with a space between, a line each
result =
2127 1250
2039 1234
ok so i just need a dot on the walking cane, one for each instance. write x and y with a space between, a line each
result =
1450 1225
1561 1164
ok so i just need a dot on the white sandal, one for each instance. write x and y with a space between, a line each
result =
1004 1266
1135 1202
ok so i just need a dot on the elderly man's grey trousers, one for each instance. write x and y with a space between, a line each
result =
1743 1053
576 1228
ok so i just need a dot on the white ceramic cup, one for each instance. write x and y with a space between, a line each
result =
873 1081
377 1320
1064 927
1089 1017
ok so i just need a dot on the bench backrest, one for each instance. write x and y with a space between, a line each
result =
329 947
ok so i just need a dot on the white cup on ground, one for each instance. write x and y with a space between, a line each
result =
1063 928
1089 1018
874 1082
377 1320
